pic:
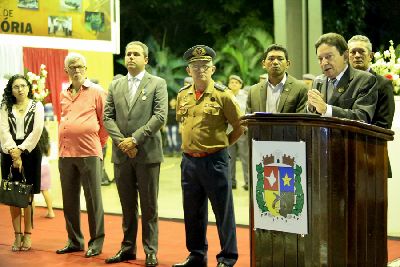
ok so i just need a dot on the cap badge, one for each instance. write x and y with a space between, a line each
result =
199 51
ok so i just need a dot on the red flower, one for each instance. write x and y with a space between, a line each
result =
389 76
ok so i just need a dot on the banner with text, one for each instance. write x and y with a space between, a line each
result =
68 24
280 186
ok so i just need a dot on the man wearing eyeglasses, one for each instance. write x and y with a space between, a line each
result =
346 92
81 138
204 110
279 92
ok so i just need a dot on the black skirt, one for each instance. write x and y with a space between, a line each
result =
31 163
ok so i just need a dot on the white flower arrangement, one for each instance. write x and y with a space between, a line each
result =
388 65
39 83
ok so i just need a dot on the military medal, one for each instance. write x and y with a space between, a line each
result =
144 97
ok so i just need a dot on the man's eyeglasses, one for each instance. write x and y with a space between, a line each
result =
73 68
200 68
22 86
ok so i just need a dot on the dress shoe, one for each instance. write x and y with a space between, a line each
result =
92 252
192 261
120 257
68 249
151 260
105 182
221 264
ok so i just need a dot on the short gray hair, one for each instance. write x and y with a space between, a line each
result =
145 48
361 38
73 56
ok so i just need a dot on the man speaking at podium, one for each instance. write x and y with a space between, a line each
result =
345 91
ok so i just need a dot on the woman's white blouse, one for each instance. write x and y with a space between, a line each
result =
32 139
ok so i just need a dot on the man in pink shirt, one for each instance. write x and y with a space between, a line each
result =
81 138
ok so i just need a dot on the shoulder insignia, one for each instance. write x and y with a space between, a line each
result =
220 87
185 87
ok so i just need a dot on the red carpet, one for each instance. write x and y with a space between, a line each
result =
50 235
393 250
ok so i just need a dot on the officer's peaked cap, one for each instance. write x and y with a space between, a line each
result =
199 52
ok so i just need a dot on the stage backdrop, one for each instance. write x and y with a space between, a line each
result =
63 24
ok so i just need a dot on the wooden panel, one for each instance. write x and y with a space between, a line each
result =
372 177
278 249
352 218
360 192
291 248
380 218
346 194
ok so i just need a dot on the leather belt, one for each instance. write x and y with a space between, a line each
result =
201 154
198 154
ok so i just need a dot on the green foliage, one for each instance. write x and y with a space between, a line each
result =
241 54
188 23
167 65
298 207
260 188
163 63
350 24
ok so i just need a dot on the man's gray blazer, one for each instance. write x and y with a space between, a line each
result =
142 118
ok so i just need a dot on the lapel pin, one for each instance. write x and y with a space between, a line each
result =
340 90
144 97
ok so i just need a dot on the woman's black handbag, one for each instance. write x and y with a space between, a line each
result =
15 193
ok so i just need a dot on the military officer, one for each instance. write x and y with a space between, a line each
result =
204 109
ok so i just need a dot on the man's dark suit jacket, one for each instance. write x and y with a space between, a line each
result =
292 100
384 111
355 95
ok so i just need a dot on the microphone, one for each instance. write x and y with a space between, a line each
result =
318 84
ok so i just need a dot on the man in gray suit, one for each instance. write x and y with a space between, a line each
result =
346 92
280 92
136 109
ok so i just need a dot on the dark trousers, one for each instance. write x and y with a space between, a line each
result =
85 171
138 180
202 179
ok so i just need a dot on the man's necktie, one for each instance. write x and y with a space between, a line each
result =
132 89
331 88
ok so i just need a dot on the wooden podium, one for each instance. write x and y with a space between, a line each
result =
346 193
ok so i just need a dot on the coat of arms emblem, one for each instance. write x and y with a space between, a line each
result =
279 192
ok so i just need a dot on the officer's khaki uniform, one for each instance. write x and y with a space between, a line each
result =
204 121
205 168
